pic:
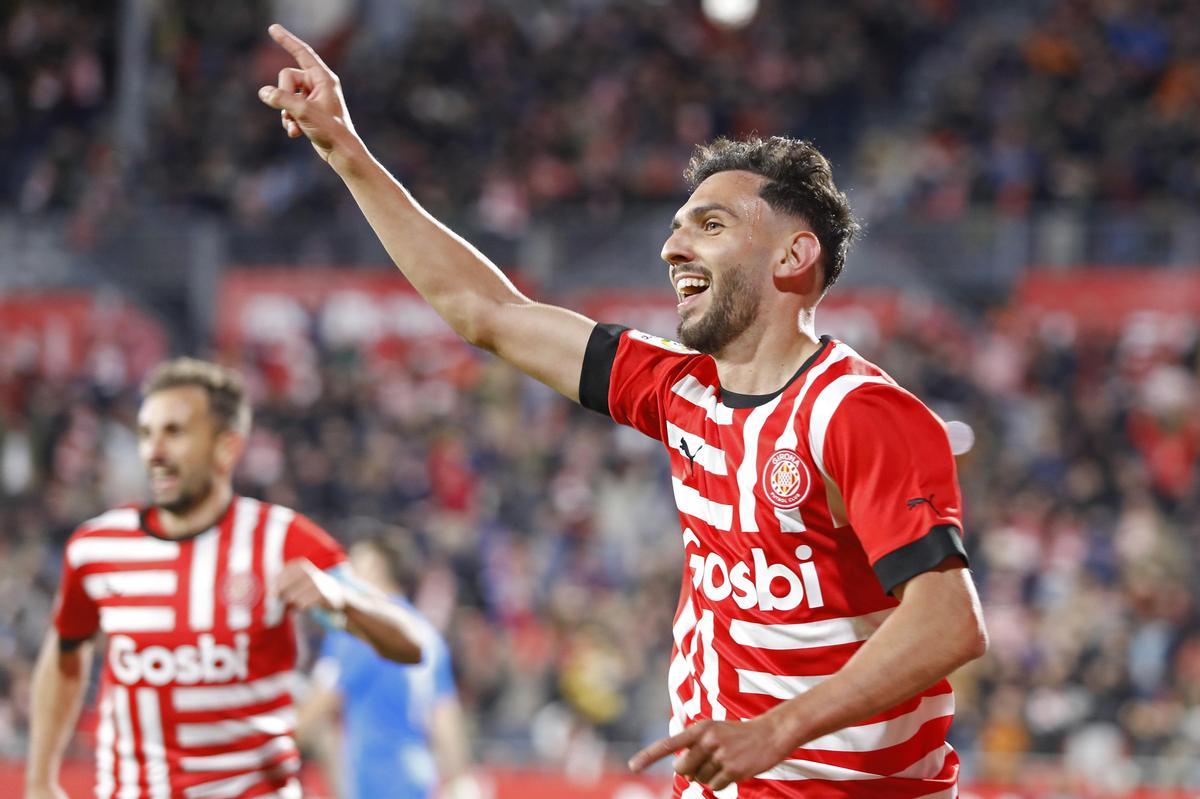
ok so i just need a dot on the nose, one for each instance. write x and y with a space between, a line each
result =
677 249
152 447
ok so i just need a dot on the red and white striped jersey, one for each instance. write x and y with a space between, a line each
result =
800 510
196 694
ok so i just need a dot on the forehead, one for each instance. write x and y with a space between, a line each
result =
180 405
736 189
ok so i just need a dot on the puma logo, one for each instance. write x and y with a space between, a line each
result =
691 456
915 501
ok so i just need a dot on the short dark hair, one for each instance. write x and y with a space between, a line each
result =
799 182
226 390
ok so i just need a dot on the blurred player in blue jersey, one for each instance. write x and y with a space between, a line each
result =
402 732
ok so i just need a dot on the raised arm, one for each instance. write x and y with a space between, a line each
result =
463 286
59 681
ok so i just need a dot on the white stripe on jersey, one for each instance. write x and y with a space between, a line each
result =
241 555
826 405
747 473
224 697
680 669
116 519
131 619
202 584
929 766
106 778
148 582
788 439
150 726
779 686
246 759
126 758
83 551
279 519
703 454
790 520
230 787
705 397
691 502
276 722
807 635
883 734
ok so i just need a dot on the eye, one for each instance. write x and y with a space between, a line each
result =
711 225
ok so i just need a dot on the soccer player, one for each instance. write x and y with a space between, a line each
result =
194 594
825 592
402 733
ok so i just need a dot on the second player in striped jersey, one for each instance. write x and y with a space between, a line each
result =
826 595
195 594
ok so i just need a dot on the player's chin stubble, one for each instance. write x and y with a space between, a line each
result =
734 307
190 497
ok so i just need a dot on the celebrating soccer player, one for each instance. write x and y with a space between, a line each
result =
195 595
825 596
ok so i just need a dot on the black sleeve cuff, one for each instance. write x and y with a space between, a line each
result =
71 644
922 555
598 362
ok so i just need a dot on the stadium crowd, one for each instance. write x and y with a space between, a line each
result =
549 542
511 108
550 549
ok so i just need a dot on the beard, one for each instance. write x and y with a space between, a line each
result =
189 496
733 309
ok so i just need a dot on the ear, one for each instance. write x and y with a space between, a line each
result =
228 450
798 269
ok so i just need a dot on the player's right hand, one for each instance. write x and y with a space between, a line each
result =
308 97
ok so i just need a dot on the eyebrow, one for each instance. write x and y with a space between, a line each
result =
700 211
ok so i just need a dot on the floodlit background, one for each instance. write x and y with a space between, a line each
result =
1028 174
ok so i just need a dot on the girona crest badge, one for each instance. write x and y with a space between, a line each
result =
785 479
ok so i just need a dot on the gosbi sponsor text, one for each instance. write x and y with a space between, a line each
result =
769 586
205 662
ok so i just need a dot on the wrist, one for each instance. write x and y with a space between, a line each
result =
349 156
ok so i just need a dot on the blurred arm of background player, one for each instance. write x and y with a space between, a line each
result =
60 681
361 609
466 289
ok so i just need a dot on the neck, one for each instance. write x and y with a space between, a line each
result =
198 518
761 362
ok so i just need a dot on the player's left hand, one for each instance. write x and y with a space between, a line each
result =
718 753
303 586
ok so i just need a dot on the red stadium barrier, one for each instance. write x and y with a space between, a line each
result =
527 783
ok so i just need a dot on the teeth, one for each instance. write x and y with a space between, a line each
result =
690 283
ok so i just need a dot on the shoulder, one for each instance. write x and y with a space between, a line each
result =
854 394
104 534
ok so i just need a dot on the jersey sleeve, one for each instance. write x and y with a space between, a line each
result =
306 540
890 458
76 615
626 374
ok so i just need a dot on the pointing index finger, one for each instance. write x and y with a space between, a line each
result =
666 746
300 50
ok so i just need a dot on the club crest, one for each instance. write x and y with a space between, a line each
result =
785 479
241 590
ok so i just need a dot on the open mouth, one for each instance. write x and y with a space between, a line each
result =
163 478
688 288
